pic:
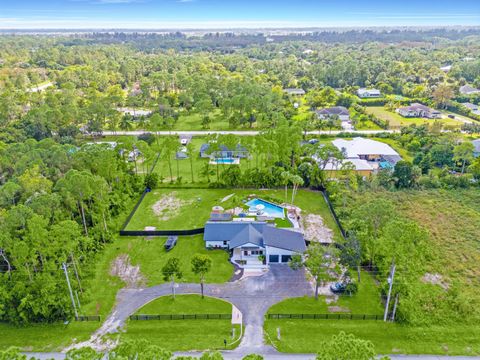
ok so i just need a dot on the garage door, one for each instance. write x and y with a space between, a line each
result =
286 258
273 258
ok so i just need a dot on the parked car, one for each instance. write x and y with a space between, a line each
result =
170 243
451 116
338 287
313 141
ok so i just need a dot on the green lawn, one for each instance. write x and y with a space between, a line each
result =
365 301
195 334
306 336
396 120
150 255
47 337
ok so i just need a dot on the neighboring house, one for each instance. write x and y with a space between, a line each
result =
362 167
340 111
446 69
136 113
476 151
224 152
468 90
249 240
294 92
419 110
368 93
378 155
472 107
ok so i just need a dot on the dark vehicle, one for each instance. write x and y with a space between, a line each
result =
313 141
451 116
170 243
338 287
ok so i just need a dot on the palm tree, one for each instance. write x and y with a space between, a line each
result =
286 176
296 181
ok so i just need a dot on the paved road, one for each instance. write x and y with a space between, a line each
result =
238 132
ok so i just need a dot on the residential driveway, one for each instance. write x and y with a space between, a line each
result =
253 296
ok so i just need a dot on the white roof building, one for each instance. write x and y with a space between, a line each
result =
359 164
358 147
368 93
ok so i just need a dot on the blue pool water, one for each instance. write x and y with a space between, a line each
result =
270 209
224 160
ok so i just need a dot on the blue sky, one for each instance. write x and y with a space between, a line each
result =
154 14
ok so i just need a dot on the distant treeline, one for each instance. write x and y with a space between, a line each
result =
222 41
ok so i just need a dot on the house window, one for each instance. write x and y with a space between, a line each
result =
257 252
225 243
245 253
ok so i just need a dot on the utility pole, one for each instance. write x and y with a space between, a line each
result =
390 281
64 266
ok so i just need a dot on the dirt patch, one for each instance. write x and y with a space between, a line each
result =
316 230
168 206
435 279
226 198
128 273
338 309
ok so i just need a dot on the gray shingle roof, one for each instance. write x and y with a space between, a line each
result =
284 239
258 233
337 110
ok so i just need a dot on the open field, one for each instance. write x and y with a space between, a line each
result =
196 334
452 219
196 205
396 120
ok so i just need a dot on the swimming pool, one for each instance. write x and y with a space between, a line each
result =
228 161
270 209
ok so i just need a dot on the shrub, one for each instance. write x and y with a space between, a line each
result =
151 180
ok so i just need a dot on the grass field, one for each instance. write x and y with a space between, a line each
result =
195 334
306 336
396 120
47 337
452 219
197 205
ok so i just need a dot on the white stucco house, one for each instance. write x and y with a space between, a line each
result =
246 241
368 93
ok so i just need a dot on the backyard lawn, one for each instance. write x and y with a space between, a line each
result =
188 208
196 334
395 120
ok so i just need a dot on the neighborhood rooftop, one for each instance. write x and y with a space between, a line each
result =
336 110
360 146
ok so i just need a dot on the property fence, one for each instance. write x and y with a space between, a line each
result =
334 214
183 317
88 318
162 232
338 316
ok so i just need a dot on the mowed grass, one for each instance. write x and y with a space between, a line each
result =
151 256
198 203
396 120
365 301
306 336
195 334
45 337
